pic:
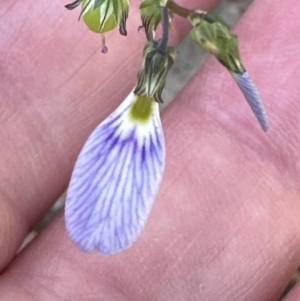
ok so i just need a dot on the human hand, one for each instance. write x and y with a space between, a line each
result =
225 225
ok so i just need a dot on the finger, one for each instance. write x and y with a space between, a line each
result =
56 87
226 220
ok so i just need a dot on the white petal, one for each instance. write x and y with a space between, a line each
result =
115 181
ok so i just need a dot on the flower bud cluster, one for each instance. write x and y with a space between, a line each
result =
118 172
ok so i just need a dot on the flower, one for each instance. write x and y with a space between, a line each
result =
217 39
103 15
156 65
116 178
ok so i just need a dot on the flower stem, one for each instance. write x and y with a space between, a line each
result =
165 25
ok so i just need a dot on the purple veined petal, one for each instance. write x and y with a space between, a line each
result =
253 98
115 181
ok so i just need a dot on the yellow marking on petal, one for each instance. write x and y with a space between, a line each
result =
142 109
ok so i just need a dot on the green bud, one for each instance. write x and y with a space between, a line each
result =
151 16
216 38
156 65
103 15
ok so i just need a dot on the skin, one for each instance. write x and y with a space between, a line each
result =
226 223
